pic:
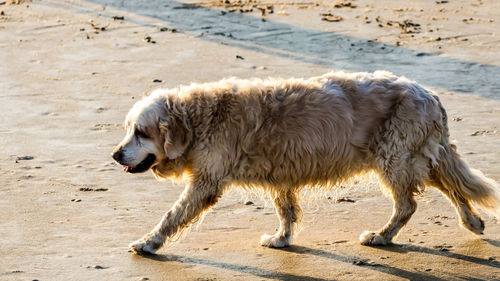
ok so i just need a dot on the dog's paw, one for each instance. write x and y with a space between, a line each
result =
145 247
141 247
274 241
474 224
370 238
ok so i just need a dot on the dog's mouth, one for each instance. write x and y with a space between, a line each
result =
143 166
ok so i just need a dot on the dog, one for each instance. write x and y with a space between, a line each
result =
282 135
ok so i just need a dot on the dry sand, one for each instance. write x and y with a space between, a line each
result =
67 212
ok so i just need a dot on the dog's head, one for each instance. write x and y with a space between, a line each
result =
157 132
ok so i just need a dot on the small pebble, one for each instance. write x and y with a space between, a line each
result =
365 262
22 158
149 40
340 241
345 199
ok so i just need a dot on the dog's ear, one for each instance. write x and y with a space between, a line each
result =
176 133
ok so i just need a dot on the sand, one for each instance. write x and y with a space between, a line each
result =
69 72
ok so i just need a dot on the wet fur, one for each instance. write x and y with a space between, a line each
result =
282 135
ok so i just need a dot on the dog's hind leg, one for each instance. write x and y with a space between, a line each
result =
399 158
402 187
289 213
195 199
469 218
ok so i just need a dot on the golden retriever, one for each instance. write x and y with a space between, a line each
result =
282 135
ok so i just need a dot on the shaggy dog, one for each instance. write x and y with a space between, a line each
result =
282 135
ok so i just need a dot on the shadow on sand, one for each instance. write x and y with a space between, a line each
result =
361 262
268 274
405 248
492 242
351 260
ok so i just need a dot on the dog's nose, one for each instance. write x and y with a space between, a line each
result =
118 155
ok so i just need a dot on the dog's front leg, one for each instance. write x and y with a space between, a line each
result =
290 214
194 200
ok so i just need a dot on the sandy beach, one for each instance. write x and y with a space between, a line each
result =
71 70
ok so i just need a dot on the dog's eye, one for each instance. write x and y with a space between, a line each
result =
140 134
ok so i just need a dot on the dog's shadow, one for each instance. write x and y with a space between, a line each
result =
408 248
399 248
492 242
352 260
402 273
263 273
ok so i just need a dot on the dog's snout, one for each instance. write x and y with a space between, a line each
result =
118 155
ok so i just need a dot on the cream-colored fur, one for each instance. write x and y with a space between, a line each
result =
282 135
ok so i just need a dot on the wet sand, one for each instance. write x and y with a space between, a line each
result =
69 73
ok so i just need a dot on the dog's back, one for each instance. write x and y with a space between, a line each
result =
292 133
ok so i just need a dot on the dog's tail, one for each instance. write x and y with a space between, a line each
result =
471 184
461 180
